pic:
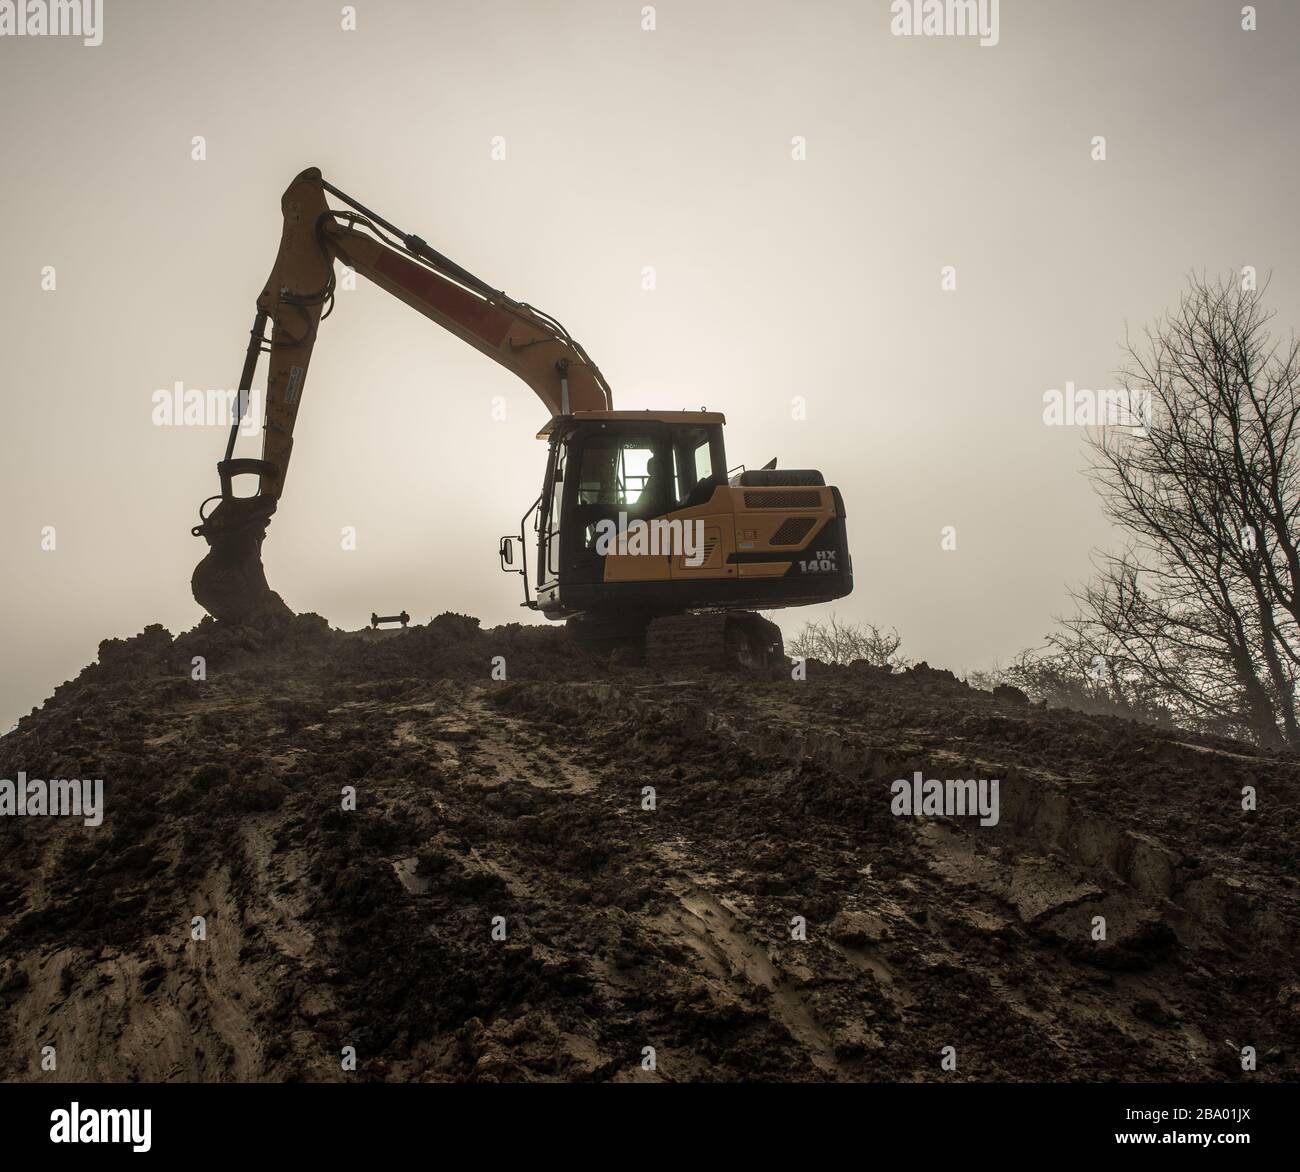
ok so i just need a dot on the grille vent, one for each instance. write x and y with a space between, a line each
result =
792 530
790 498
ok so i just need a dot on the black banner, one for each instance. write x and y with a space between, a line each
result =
363 1119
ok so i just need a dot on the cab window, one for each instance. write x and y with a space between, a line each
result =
692 459
618 470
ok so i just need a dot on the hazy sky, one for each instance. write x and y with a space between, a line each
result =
625 148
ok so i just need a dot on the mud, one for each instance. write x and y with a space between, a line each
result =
626 927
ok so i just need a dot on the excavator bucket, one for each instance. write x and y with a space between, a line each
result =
230 582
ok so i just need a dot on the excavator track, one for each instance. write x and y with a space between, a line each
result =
722 640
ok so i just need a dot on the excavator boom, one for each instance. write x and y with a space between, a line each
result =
230 582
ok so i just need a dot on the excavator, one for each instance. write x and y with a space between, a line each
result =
763 538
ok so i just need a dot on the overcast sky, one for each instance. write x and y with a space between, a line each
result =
775 277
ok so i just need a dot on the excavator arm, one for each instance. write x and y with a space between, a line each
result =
230 583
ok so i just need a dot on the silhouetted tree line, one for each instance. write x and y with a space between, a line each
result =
1195 622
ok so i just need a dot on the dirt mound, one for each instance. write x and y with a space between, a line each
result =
484 854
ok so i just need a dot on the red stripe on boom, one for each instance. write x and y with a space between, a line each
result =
473 313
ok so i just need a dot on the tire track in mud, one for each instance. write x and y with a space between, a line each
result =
717 965
725 959
728 965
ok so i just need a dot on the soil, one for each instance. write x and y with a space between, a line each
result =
702 869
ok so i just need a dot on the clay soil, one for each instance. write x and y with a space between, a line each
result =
626 927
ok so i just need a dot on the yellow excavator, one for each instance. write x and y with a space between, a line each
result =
644 540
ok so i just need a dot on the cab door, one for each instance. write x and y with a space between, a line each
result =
618 473
550 512
704 507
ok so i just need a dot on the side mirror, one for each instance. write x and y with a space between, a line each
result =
506 550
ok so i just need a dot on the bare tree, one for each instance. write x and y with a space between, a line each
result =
843 643
1203 607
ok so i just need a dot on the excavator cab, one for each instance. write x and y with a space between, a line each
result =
612 476
638 520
